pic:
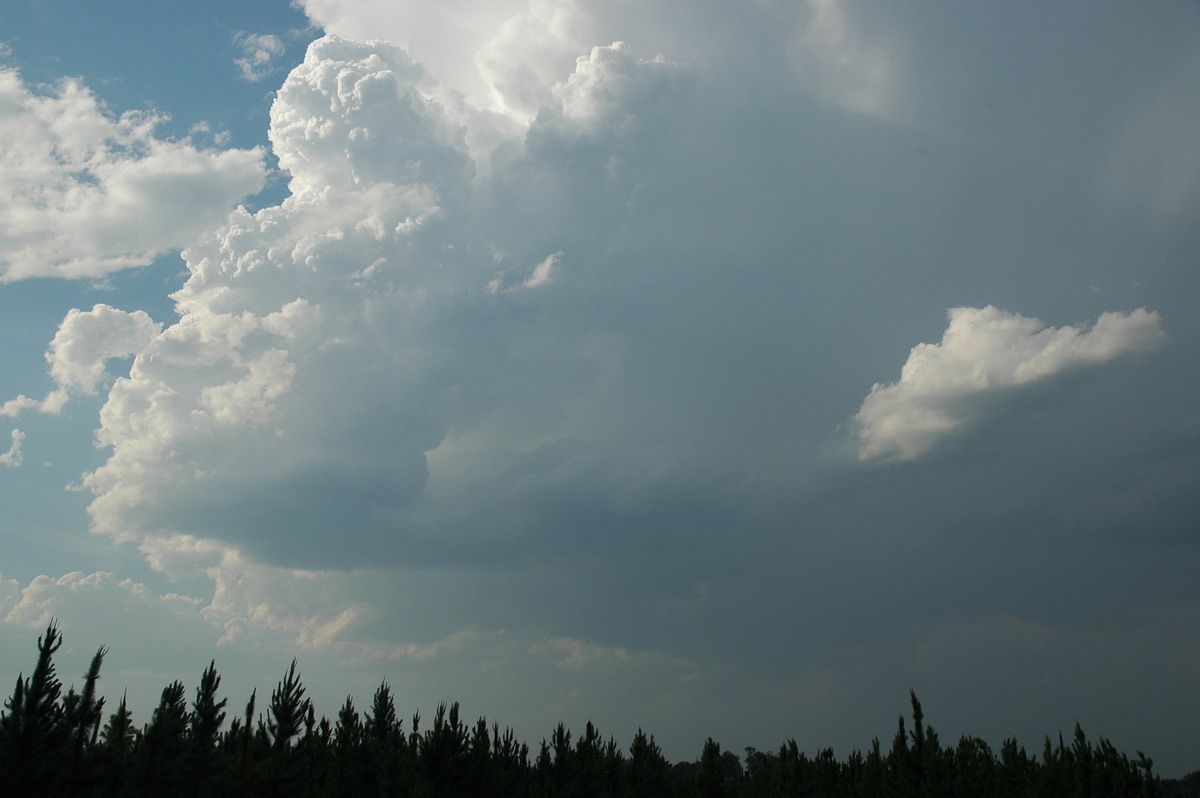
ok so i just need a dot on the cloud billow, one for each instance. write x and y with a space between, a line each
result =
331 347
984 350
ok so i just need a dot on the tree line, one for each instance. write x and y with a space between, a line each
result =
56 743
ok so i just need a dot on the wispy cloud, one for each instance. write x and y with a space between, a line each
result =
260 52
540 275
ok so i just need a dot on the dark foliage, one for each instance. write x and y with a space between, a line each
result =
52 744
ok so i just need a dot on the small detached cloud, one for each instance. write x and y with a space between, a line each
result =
259 54
13 456
84 193
83 345
52 404
984 350
542 273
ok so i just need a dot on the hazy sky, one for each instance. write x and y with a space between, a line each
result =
719 368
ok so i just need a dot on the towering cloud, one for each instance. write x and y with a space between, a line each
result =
327 345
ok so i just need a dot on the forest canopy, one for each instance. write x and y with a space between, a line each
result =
56 743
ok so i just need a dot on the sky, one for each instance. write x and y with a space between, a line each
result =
716 368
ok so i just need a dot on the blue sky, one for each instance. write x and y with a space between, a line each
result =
716 368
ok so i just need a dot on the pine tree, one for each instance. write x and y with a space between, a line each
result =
33 729
351 775
163 742
204 726
83 712
287 711
648 770
443 751
285 719
117 742
89 712
711 778
239 742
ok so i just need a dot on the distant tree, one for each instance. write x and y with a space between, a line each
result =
443 750
710 779
52 745
649 772
1017 770
349 774
510 762
347 730
975 768
381 723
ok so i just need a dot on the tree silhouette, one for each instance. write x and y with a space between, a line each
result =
286 718
163 742
51 744
33 731
204 725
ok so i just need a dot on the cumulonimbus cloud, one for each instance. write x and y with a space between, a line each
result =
983 350
327 347
84 193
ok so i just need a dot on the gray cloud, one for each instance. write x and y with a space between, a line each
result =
638 458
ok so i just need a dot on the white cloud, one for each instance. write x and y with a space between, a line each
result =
509 57
82 346
84 193
86 340
103 594
52 404
540 275
326 345
456 41
13 456
984 350
523 61
249 399
259 51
